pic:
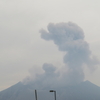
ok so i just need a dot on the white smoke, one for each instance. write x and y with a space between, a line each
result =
69 38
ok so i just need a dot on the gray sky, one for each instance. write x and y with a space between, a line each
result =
21 46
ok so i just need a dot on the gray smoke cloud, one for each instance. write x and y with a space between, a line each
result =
47 79
69 38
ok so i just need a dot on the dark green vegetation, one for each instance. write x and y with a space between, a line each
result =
83 91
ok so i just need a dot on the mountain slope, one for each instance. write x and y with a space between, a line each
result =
16 92
83 91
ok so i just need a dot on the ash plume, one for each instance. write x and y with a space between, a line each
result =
69 38
47 79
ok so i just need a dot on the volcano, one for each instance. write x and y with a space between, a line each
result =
83 91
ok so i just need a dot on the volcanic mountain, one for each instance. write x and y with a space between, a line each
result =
83 91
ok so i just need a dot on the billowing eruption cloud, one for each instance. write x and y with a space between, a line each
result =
69 38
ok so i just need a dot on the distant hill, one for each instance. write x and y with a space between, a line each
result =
83 91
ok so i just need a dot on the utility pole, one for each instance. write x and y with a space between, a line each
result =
35 94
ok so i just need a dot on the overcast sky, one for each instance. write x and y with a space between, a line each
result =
21 47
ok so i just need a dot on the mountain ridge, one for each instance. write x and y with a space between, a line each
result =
83 91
